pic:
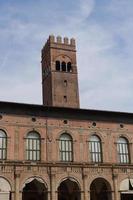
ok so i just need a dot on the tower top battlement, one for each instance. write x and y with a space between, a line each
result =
61 40
60 43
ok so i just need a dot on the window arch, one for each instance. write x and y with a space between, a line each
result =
69 67
33 146
123 150
3 145
57 65
63 66
66 147
95 148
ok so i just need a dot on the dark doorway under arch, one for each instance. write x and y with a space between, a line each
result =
126 189
34 190
69 190
126 196
100 190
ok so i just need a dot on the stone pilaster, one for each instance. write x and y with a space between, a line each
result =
85 186
115 183
17 187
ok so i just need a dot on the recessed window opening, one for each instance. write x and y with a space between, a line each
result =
3 145
66 147
65 98
95 149
33 146
63 66
69 67
123 150
65 83
33 119
121 126
65 121
58 65
94 124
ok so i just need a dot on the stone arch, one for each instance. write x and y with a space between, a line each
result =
5 189
63 57
126 189
34 188
123 135
29 179
4 129
32 130
97 134
66 132
69 189
72 178
100 189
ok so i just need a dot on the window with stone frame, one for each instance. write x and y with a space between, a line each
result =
95 149
123 150
66 148
3 145
33 146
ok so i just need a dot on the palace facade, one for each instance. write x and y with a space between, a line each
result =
57 151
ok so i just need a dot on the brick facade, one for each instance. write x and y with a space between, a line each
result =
51 178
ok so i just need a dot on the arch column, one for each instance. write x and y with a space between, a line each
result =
115 183
20 195
17 188
54 193
86 193
49 195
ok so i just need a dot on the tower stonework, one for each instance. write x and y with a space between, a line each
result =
59 73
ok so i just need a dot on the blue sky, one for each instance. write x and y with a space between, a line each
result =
104 34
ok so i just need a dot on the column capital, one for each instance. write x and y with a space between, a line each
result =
114 176
17 175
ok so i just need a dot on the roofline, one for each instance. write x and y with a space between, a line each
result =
64 112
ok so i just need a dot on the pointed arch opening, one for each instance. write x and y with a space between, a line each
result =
63 66
34 189
100 189
57 65
69 67
69 190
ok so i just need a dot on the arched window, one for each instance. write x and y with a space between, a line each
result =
69 67
33 146
3 145
63 66
57 65
95 149
123 150
66 147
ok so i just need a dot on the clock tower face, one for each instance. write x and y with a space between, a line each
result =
59 73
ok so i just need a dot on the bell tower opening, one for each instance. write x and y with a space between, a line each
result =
59 73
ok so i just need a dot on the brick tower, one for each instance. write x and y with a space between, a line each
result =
59 73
